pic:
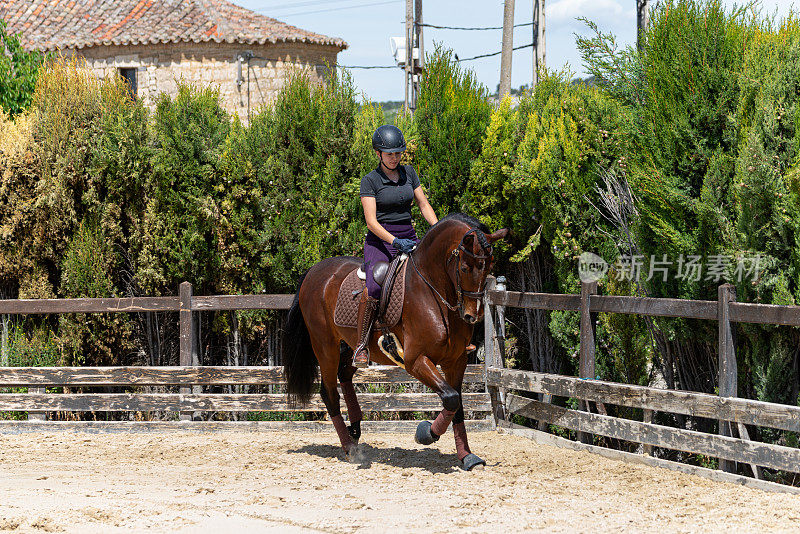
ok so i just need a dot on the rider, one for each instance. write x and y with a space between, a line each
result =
386 195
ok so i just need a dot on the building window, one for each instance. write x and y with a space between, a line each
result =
129 75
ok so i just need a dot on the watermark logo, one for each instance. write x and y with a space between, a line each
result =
591 267
689 268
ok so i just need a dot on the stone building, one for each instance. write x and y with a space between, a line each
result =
156 43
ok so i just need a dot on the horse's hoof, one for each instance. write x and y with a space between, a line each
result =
355 431
425 435
354 455
471 462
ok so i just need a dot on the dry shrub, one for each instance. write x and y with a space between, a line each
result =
16 138
67 99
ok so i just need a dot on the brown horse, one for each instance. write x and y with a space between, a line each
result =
445 282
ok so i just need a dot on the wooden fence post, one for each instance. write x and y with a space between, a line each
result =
187 336
586 362
500 326
727 376
500 341
492 357
647 417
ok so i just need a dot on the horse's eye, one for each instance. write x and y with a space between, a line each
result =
463 267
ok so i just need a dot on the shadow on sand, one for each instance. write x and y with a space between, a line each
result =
431 460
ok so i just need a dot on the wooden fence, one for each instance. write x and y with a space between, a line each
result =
733 413
502 385
189 377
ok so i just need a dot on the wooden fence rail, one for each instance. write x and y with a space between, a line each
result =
189 376
690 403
740 312
205 376
144 304
683 402
219 402
201 375
763 454
732 413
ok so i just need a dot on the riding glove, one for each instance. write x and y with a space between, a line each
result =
403 245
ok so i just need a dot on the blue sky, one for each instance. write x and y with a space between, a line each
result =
366 25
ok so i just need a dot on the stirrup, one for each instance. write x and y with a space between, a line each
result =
363 361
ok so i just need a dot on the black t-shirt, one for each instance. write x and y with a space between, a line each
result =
392 199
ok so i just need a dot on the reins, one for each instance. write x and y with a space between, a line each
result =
444 301
460 291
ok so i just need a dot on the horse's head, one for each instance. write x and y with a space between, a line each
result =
469 264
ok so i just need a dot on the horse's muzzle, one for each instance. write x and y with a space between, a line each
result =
470 319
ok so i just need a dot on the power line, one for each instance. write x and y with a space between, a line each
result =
458 59
395 66
495 53
339 8
311 3
473 28
277 59
367 67
307 3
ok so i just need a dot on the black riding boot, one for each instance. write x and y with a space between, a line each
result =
367 307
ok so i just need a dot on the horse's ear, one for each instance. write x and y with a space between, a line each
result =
500 234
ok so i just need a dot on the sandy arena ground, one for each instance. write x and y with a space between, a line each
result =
297 482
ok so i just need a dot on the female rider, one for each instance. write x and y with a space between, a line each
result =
386 195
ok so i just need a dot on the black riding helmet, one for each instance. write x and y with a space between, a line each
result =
388 138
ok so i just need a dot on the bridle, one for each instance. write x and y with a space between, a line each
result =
455 254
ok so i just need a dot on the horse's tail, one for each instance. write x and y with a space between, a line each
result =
299 362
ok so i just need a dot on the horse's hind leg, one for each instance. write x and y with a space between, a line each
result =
327 351
346 372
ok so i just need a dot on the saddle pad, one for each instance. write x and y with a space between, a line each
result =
346 312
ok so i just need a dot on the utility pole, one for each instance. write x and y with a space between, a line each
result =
642 21
507 50
539 47
417 48
409 50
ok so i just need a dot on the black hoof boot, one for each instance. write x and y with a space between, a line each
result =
425 435
355 431
470 461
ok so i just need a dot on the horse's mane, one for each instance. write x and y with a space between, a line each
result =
469 220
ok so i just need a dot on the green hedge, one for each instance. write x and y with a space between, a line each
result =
100 196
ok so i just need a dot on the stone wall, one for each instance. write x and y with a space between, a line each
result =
159 68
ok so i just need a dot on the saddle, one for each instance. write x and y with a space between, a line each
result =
390 276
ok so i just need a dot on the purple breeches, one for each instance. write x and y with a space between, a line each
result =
376 250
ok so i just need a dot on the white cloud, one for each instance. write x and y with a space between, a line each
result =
597 10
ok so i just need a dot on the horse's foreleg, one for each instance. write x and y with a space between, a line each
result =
425 371
346 372
465 456
460 433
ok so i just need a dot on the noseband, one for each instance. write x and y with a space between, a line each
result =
456 252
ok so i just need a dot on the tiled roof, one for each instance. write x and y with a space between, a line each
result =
53 24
